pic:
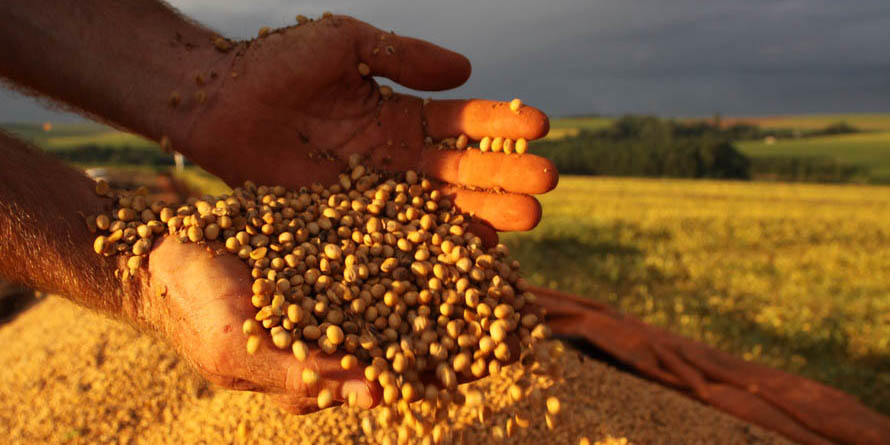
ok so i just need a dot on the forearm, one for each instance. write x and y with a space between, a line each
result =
44 240
125 61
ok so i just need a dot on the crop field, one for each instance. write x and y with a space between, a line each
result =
865 122
570 126
64 136
790 275
870 150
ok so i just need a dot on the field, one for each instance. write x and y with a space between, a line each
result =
865 122
869 150
569 126
63 136
792 276
66 136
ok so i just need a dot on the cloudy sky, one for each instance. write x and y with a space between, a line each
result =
677 57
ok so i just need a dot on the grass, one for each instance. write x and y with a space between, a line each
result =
868 150
64 136
34 132
790 275
570 126
865 122
199 179
194 177
111 138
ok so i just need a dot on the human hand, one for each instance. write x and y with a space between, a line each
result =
198 300
298 107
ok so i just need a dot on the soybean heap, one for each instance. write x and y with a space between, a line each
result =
380 269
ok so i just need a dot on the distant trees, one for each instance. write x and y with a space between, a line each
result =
648 146
800 169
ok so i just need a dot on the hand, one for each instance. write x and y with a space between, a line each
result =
298 96
199 300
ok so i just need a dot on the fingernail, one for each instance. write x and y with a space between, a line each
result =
358 390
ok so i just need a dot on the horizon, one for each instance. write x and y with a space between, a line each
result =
573 57
82 120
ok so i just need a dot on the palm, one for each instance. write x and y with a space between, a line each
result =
299 107
200 301
310 102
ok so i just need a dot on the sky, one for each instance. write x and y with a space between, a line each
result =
568 57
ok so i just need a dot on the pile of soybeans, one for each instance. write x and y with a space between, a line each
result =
383 271
104 382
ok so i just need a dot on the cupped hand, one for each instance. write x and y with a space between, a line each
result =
199 299
294 107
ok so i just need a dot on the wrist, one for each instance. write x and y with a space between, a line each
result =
145 295
124 288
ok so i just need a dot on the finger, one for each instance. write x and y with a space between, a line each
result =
514 173
503 211
485 232
478 118
411 62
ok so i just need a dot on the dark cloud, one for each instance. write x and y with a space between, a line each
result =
680 57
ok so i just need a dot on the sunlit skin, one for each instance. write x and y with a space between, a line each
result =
287 109
290 100
207 298
298 96
199 298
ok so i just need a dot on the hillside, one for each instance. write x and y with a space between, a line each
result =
867 151
65 136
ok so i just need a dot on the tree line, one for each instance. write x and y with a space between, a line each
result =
650 146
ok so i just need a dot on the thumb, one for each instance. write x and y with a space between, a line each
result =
413 63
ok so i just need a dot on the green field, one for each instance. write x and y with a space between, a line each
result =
795 276
63 136
865 122
34 132
67 136
869 150
570 126
111 138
